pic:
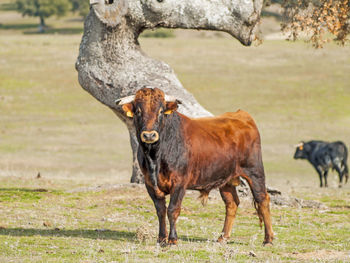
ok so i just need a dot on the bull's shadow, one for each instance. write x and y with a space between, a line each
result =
90 233
81 233
209 240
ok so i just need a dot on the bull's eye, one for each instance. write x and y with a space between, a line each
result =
160 111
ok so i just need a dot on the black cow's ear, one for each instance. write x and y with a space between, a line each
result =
171 106
307 147
128 109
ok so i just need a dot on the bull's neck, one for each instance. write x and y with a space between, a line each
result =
172 138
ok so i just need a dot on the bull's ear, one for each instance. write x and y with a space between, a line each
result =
171 106
128 109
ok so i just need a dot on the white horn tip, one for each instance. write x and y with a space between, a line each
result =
92 2
124 100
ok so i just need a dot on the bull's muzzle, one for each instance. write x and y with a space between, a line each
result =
149 136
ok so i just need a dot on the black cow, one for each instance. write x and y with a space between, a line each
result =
323 156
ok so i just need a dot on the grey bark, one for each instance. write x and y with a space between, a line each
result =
112 65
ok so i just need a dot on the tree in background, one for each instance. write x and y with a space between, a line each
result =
43 9
82 7
320 20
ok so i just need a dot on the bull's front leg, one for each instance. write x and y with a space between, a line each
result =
320 174
160 205
174 209
325 174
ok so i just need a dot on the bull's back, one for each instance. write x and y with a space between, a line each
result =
338 150
229 124
217 145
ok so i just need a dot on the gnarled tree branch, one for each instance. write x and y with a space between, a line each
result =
112 65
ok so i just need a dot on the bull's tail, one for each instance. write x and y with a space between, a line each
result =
203 197
346 171
255 203
344 162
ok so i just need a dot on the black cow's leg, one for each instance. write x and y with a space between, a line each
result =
318 170
174 209
160 205
340 173
345 171
256 180
230 197
325 174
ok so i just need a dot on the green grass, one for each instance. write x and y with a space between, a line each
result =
93 226
48 124
19 195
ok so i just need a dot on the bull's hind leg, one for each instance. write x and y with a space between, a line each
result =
346 171
325 174
230 197
340 171
256 180
320 174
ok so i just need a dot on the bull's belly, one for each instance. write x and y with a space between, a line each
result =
206 182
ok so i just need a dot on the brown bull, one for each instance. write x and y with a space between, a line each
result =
178 153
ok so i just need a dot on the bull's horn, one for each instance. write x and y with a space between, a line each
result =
299 144
171 99
92 2
125 100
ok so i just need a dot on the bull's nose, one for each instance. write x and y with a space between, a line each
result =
149 136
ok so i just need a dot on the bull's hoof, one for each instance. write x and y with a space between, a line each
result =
267 244
268 240
162 241
172 242
222 239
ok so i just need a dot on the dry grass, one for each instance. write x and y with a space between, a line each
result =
48 124
104 225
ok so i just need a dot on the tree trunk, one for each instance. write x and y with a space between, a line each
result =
42 25
112 65
136 176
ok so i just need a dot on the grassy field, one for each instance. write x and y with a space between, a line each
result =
49 125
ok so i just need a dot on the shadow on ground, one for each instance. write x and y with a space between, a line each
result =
80 233
32 29
23 26
85 233
206 240
194 239
23 190
60 31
